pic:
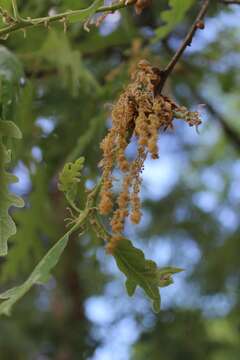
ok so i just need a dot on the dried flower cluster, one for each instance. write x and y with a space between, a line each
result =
139 112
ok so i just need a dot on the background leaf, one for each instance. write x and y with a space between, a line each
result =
173 16
84 14
7 225
10 76
57 53
11 73
9 129
28 244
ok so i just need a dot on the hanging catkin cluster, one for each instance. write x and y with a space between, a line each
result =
139 112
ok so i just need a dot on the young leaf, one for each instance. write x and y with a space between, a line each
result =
39 275
141 272
173 16
69 178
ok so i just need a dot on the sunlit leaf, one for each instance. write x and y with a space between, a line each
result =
39 275
141 272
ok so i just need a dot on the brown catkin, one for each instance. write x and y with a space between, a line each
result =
136 170
140 112
154 124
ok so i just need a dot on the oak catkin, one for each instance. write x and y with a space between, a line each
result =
140 112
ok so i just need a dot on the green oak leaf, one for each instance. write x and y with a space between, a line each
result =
26 246
10 74
84 14
7 199
7 225
131 287
69 178
58 53
40 275
141 272
172 17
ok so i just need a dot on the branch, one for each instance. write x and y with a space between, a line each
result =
228 130
198 24
22 24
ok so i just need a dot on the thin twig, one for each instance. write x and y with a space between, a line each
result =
22 24
198 24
